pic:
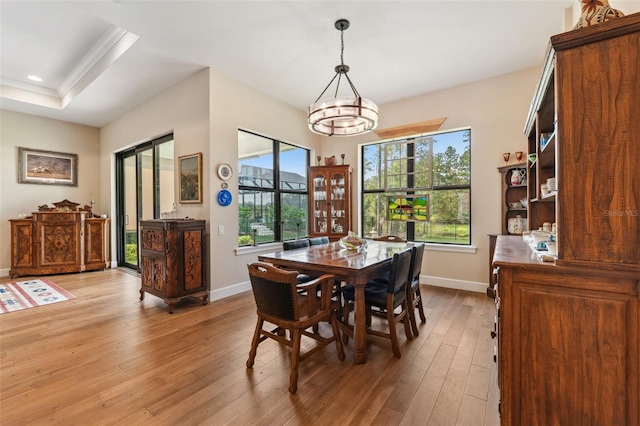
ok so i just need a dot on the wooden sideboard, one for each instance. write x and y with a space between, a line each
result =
51 242
568 332
567 340
173 259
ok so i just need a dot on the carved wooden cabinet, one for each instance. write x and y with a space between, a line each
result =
52 242
173 259
330 201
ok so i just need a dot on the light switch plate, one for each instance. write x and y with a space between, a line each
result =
220 229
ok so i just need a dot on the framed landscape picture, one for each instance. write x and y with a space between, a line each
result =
190 169
408 208
47 167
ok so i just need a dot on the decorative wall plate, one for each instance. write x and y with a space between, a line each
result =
225 171
224 197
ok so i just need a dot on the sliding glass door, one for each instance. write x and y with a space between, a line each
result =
145 187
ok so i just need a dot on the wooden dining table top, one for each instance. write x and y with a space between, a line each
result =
349 265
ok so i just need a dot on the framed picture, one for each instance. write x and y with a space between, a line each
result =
47 167
190 169
408 208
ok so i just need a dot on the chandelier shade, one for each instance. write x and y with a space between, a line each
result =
342 116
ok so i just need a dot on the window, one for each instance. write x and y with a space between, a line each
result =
419 188
272 197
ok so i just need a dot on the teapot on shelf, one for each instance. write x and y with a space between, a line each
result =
518 176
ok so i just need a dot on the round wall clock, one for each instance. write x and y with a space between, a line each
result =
225 171
224 197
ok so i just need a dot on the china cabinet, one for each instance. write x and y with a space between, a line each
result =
56 242
568 331
173 260
329 201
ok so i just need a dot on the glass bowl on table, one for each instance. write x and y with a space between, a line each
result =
353 242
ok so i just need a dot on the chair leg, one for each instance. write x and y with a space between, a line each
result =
406 320
393 335
254 343
423 318
346 309
295 361
336 335
412 317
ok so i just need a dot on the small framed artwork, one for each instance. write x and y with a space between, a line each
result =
408 208
47 167
190 169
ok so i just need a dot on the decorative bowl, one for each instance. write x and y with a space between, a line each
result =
532 157
353 242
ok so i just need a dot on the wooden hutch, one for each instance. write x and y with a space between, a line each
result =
59 240
568 331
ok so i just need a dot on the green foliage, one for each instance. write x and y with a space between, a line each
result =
245 240
131 254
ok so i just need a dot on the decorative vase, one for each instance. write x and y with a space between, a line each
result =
596 12
330 161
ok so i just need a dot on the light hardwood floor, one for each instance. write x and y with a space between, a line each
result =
107 358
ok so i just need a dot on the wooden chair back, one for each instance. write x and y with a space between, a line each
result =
390 238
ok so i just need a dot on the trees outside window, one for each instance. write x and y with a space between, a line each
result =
419 188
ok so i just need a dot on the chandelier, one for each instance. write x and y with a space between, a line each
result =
342 116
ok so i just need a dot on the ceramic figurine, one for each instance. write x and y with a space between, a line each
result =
596 12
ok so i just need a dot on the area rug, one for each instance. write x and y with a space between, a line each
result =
29 294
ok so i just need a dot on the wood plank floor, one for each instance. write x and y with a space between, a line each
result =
106 358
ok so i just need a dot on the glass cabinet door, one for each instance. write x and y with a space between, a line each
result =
338 211
320 202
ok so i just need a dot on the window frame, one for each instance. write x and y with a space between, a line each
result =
385 191
277 191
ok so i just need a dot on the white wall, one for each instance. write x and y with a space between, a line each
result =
28 131
237 106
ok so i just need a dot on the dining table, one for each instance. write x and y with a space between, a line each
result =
349 266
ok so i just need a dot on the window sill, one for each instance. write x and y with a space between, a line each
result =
450 248
263 248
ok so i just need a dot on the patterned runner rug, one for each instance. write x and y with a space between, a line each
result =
29 294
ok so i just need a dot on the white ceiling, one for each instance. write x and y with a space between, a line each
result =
100 59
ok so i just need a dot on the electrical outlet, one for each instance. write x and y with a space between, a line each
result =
220 229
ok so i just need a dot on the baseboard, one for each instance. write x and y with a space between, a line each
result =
4 272
232 290
451 283
228 291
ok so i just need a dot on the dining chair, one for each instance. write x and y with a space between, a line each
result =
386 297
279 302
295 244
414 297
390 238
316 241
